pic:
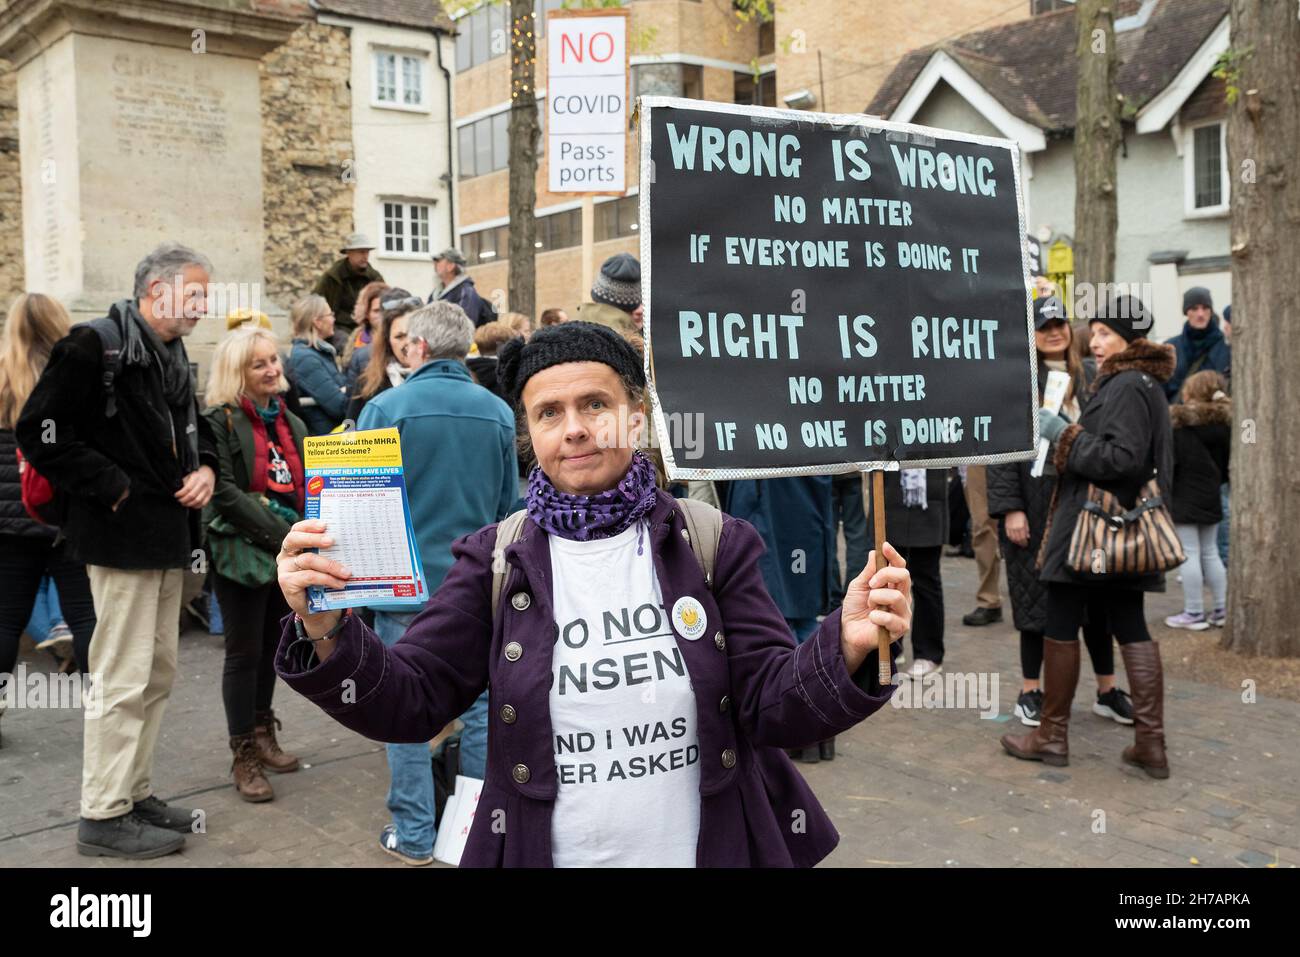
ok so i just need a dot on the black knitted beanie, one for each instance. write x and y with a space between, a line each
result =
519 360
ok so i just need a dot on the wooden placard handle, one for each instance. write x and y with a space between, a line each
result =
878 517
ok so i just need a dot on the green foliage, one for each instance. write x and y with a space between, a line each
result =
1228 69
754 11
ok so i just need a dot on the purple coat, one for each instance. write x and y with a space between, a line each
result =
756 693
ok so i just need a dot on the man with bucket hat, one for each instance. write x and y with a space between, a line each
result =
343 282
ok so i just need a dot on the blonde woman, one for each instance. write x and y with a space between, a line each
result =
28 549
313 365
258 496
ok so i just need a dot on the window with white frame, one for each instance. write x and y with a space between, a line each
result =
1205 159
399 79
405 228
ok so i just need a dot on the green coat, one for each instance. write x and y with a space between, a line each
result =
246 510
606 315
340 286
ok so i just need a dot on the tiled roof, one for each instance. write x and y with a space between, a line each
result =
1029 66
426 14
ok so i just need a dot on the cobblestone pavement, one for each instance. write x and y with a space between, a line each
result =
923 787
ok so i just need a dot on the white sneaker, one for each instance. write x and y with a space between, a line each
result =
922 667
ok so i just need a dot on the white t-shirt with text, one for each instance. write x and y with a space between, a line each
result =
622 711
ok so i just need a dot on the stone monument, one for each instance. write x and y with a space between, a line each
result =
140 121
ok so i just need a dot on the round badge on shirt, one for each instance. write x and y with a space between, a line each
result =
689 618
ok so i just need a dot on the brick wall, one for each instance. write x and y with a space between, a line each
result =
306 158
861 42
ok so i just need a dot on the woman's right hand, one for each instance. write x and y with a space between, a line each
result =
1017 525
298 569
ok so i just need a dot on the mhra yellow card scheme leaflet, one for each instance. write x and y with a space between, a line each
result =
355 485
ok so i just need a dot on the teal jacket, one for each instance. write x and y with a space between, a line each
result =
458 456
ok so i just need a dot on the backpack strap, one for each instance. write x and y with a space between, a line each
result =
110 341
509 530
704 524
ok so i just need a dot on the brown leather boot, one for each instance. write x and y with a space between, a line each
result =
1049 742
268 749
250 782
1147 679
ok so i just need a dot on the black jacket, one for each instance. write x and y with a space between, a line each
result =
94 459
484 369
14 519
912 527
1202 439
1012 489
1121 436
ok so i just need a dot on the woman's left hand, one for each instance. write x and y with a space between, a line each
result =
881 599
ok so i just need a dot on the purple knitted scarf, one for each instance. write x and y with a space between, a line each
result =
582 518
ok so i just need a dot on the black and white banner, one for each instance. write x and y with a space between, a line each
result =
826 293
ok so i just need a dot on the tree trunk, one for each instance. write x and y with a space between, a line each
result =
524 132
1096 141
1263 130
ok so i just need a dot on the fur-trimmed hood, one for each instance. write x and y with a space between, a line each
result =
1189 414
1158 360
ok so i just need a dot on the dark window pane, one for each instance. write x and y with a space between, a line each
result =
479 40
419 228
501 140
565 229
543 240
692 81
606 221
745 89
469 246
483 145
767 38
1207 166
767 89
393 227
498 29
463 52
557 233
487 252
465 146
629 214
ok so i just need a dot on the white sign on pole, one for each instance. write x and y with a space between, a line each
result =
586 102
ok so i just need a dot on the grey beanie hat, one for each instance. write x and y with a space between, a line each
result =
1197 296
619 282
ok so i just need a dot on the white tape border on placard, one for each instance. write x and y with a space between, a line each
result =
836 120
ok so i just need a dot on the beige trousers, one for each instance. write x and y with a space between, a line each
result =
983 537
133 661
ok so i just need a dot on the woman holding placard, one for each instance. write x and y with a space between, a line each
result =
1021 500
642 681
1119 454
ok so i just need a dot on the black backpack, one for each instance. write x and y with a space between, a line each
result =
54 510
110 339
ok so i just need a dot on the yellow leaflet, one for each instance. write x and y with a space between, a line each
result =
374 448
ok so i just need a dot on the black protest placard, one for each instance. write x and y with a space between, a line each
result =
826 293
